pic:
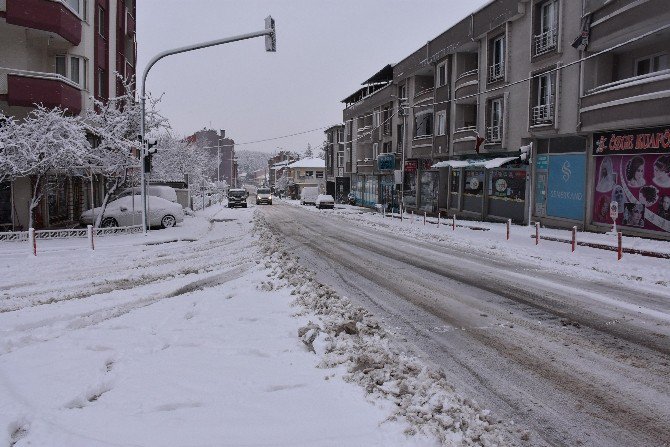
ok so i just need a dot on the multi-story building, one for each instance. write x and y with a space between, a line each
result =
222 152
368 155
61 53
337 184
306 172
583 83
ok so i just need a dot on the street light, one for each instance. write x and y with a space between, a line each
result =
270 46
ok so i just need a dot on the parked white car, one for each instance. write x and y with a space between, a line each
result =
324 201
127 211
164 192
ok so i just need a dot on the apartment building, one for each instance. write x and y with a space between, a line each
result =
222 153
369 157
543 73
61 53
337 184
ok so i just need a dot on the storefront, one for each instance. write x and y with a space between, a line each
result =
428 186
409 184
366 189
507 192
632 168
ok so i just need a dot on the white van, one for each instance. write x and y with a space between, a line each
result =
164 192
308 195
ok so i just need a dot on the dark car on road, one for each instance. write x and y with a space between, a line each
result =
237 197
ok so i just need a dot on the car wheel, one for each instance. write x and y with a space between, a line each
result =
245 205
109 222
168 221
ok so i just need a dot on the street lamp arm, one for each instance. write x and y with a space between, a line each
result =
198 46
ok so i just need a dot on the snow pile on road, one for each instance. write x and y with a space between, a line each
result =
348 335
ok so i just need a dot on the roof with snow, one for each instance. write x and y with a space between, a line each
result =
308 163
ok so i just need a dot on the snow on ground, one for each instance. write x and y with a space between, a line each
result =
490 239
210 334
184 338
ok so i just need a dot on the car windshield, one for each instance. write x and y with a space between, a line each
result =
237 193
263 191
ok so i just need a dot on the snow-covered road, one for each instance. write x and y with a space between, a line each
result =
574 346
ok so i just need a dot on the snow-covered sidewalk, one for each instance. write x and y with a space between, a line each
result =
186 337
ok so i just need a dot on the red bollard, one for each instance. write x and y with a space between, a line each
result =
620 248
537 233
574 238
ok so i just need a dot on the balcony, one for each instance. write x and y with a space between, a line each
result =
637 101
424 95
45 15
27 88
497 72
464 139
543 114
494 134
467 86
545 42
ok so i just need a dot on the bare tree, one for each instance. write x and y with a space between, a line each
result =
47 142
116 125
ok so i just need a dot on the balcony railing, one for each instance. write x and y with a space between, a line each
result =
50 16
496 72
545 42
494 134
543 114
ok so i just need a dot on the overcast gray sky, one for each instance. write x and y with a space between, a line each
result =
325 49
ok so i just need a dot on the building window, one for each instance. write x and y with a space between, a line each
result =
497 60
651 64
340 159
495 117
441 74
74 5
61 67
375 150
387 121
546 36
319 174
340 135
402 92
101 83
74 70
441 124
309 173
375 118
543 111
101 21
423 124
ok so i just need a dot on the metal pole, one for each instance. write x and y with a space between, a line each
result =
152 62
218 162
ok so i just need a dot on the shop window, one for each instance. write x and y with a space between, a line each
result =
474 183
507 184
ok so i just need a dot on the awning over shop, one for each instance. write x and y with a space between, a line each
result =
486 164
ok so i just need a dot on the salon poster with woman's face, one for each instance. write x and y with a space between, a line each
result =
640 184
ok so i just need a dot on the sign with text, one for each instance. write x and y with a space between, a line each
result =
411 165
565 186
386 162
655 140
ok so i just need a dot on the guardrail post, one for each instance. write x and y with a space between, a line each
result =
537 233
574 238
89 233
33 241
620 246
509 224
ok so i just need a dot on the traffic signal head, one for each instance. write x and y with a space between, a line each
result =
270 39
151 142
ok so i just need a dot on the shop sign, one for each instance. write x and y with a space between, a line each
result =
411 165
565 186
640 184
386 162
542 162
654 140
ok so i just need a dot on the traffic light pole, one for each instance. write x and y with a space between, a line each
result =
270 45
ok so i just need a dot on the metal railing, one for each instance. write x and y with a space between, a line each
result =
543 114
494 134
67 233
496 72
4 72
545 42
